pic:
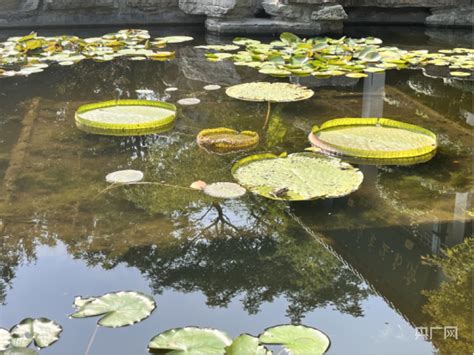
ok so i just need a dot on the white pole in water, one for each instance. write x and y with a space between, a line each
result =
374 93
458 232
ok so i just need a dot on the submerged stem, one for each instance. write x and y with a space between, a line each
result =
91 340
267 117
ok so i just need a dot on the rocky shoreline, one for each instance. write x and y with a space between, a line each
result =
238 16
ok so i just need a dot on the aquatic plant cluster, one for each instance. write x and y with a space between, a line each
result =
32 53
125 308
324 57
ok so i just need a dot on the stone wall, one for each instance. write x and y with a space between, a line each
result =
237 16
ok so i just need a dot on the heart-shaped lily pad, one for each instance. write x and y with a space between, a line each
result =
118 309
42 331
225 140
126 117
297 177
270 92
246 344
296 339
190 340
374 138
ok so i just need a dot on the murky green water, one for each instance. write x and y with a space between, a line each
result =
351 267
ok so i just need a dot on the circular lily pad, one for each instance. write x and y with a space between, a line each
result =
375 139
296 177
189 101
226 190
211 87
225 140
271 92
124 177
190 340
126 117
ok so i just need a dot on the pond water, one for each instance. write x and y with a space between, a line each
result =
351 267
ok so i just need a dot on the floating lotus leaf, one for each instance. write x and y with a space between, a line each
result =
190 340
189 101
171 89
278 73
175 39
19 351
5 338
296 339
124 177
219 47
42 331
225 140
126 117
225 190
462 74
246 344
296 177
375 138
118 309
271 92
211 87
356 75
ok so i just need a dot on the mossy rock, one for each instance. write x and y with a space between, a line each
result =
126 117
225 140
375 140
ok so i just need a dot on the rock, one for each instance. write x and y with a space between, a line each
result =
271 26
460 16
329 13
385 15
282 11
219 8
404 3
73 5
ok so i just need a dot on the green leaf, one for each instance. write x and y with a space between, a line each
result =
224 140
175 39
190 340
246 344
297 177
296 339
289 38
42 331
124 177
118 309
224 190
19 351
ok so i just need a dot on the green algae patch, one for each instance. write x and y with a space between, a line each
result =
375 139
296 177
126 117
225 140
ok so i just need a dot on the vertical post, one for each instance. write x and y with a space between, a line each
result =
374 92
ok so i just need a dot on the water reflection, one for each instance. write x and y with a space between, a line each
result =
332 254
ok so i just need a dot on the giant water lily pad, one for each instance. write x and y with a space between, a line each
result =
296 339
118 309
296 177
271 92
190 340
225 140
42 331
375 138
126 117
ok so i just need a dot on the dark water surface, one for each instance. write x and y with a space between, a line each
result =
351 267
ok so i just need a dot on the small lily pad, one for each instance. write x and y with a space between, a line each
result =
124 177
225 140
190 340
42 331
461 74
175 39
198 185
189 101
246 344
211 87
296 177
296 339
118 309
225 190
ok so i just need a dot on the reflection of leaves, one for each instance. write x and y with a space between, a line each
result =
452 303
276 131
